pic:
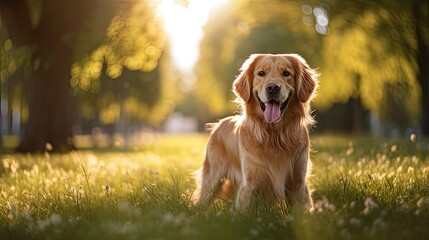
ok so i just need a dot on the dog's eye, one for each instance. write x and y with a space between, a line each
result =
286 73
261 73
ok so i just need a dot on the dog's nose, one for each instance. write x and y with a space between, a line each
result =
272 88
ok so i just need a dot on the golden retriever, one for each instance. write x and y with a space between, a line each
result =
264 152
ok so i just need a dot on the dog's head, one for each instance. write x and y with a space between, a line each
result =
274 82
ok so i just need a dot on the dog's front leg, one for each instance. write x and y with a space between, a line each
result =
300 191
244 197
256 183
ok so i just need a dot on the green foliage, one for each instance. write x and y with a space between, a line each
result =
365 48
361 59
235 31
364 189
121 67
133 40
123 75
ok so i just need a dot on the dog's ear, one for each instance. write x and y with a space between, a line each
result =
242 86
306 78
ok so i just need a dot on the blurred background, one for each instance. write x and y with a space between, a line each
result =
103 73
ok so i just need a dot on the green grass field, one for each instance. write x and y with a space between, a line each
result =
364 189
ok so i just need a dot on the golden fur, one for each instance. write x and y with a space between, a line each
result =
253 154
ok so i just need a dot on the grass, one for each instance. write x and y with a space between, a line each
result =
364 189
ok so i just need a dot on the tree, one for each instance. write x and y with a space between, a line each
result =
420 19
235 31
53 28
128 73
361 48
50 114
384 43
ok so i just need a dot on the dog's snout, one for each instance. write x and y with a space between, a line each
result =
272 88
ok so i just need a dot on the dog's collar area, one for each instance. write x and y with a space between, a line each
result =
282 106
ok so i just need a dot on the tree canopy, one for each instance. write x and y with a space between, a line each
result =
367 51
107 54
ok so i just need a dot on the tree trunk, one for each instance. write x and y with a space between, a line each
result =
50 103
421 18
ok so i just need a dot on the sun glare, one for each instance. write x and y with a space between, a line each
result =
184 26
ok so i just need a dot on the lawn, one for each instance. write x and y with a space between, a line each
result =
364 189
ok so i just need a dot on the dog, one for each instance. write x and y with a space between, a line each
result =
265 151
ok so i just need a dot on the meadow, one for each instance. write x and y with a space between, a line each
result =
364 188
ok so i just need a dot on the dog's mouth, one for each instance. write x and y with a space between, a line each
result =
272 109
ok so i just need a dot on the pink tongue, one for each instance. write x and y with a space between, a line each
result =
272 112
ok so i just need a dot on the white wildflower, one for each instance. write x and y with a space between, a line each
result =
355 221
422 202
12 209
341 222
53 220
254 232
369 206
413 137
378 225
168 218
415 160
399 169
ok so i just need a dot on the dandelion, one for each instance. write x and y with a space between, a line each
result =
341 222
254 232
398 160
324 204
369 206
12 209
399 169
350 150
422 202
14 166
378 225
413 137
393 148
415 160
422 205
49 147
355 222
358 173
400 199
168 218
6 163
53 220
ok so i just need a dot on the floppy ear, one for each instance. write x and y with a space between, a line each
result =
306 79
242 86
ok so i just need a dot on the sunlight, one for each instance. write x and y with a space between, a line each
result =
184 26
